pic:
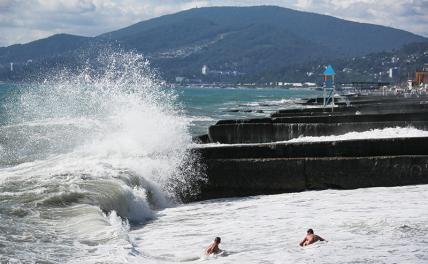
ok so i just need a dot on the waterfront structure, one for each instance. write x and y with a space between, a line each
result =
256 156
204 70
393 73
422 76
180 79
329 85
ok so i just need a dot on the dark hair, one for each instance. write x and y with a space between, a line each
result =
217 239
310 231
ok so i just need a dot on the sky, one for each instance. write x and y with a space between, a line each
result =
22 21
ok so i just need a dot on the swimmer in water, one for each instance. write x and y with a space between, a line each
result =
310 238
213 247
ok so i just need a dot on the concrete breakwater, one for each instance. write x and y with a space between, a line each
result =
265 165
242 170
363 100
411 106
291 123
286 128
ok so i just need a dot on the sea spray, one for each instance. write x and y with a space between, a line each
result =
91 146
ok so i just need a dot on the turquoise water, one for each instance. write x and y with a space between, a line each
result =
7 92
83 160
205 106
88 170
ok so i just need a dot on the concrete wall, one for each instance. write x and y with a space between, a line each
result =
244 177
343 148
365 100
333 118
399 107
271 132
242 170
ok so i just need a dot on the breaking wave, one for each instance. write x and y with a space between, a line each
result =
86 152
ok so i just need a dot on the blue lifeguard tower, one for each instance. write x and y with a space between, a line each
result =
329 87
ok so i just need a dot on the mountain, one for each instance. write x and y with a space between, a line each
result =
371 67
246 40
43 48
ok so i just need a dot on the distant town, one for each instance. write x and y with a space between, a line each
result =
416 85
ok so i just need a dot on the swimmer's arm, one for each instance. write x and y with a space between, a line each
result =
321 239
209 250
303 242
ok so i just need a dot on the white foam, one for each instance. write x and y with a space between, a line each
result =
200 119
376 225
389 132
87 144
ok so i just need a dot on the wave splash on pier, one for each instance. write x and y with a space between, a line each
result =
389 132
84 153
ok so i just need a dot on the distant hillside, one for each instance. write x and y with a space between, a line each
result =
371 67
248 40
43 48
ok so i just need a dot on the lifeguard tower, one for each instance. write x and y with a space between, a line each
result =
329 87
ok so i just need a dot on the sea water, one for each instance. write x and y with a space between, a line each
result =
91 162
375 225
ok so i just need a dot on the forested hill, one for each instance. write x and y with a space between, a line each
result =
248 40
371 67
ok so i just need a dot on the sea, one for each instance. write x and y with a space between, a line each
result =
91 161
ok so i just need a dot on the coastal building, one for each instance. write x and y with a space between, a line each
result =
310 84
222 73
393 73
421 76
180 79
205 70
395 59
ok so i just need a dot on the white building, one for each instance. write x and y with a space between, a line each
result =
393 73
179 79
205 70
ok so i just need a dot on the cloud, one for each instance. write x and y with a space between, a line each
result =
24 21
70 6
410 15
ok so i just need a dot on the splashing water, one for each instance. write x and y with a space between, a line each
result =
82 151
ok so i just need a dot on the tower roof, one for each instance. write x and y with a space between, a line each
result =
329 71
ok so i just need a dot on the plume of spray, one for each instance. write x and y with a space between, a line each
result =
110 118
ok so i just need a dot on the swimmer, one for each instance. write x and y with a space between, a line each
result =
213 248
310 238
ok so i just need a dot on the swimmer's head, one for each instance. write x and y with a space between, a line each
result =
217 240
310 231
